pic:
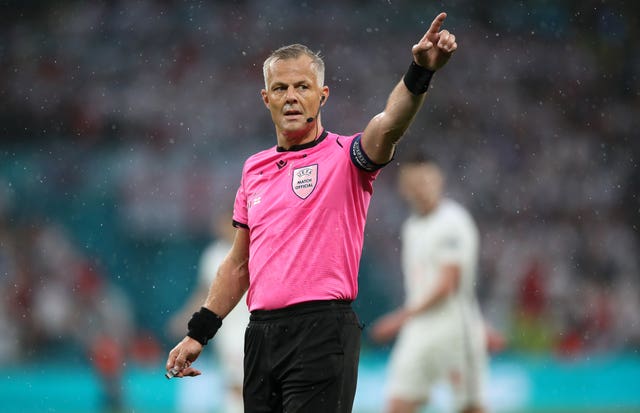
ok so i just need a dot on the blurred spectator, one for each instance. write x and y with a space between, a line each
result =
57 301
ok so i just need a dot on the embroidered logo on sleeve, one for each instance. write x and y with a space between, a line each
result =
253 200
360 159
304 180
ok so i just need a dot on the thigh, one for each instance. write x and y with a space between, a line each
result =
324 375
260 393
417 361
469 391
229 350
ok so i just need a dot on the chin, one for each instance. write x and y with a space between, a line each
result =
295 132
426 209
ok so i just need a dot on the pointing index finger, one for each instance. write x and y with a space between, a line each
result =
437 23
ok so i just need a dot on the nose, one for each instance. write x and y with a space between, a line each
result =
291 95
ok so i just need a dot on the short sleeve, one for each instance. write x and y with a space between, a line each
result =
450 249
360 158
240 215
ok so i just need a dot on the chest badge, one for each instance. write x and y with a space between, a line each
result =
304 180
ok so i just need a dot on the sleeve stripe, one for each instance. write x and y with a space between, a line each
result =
240 224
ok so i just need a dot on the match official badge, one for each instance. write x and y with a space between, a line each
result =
304 180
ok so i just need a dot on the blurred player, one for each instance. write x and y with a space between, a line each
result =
300 213
228 344
442 335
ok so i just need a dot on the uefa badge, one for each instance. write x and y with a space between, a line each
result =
304 180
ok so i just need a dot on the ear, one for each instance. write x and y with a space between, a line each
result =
265 98
325 95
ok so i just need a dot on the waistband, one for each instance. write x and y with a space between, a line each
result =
306 307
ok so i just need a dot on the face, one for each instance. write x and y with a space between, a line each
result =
292 96
421 186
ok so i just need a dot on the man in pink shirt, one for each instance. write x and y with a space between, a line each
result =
299 214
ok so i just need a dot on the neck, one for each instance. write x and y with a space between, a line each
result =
426 209
287 139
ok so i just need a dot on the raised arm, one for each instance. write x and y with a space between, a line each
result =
225 292
386 128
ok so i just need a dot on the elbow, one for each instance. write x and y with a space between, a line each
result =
451 280
393 129
394 135
241 275
236 272
388 132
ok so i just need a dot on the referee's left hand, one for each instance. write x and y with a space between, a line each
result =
181 357
436 46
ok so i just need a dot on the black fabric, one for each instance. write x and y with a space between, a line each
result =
302 358
307 145
204 325
360 159
239 224
417 78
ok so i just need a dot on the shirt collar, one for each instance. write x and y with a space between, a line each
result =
307 145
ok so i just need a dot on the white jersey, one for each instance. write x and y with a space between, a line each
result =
228 341
227 345
448 235
211 259
446 341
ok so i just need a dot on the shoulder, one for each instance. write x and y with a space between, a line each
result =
352 146
349 146
451 208
453 213
340 142
263 154
259 158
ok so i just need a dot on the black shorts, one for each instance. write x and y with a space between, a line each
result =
302 358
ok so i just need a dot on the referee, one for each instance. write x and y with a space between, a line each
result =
299 214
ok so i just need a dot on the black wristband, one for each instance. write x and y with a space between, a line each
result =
417 78
204 325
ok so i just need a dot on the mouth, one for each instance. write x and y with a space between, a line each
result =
292 113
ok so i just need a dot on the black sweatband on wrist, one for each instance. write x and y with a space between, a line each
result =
204 325
417 78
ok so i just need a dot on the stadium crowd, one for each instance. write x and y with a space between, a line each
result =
153 106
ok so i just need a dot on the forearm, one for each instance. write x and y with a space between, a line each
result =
228 287
398 113
430 301
448 284
386 129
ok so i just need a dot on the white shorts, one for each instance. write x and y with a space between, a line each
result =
229 344
427 353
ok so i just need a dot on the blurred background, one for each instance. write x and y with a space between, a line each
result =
124 126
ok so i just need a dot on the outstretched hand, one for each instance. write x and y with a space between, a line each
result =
436 46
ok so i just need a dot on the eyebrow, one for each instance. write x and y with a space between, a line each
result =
298 83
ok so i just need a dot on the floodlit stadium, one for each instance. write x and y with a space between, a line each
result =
125 125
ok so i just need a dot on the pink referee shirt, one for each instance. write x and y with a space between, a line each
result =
305 209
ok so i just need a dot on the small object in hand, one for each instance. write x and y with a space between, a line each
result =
171 373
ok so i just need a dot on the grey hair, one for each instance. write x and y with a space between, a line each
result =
293 51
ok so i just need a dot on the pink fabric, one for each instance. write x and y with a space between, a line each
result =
306 212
